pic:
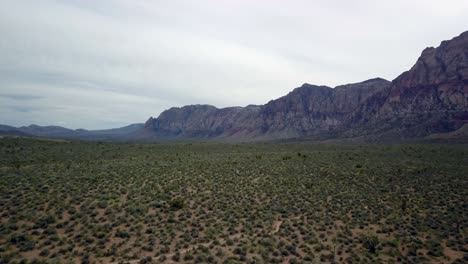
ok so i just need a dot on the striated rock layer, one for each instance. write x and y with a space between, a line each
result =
432 97
306 110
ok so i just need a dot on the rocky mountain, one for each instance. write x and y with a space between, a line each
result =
306 110
432 97
429 101
313 110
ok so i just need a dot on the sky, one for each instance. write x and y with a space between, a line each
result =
109 63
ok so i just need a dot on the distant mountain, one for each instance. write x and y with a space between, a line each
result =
13 131
47 131
65 133
306 110
429 98
432 97
316 110
429 101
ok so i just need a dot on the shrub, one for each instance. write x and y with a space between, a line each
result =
370 241
121 234
177 203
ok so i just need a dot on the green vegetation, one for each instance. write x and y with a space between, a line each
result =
231 203
370 242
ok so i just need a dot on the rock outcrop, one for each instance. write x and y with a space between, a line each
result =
306 110
432 97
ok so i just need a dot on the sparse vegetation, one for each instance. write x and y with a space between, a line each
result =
231 203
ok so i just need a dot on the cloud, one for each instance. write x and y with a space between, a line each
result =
20 97
95 64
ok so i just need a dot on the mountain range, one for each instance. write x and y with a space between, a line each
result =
114 134
429 101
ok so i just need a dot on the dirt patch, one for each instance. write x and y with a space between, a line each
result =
276 227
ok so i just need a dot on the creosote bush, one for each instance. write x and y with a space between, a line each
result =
90 202
370 241
177 203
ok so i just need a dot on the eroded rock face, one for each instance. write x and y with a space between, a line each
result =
204 121
432 97
311 109
438 80
306 110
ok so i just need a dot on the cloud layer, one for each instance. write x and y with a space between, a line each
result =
100 64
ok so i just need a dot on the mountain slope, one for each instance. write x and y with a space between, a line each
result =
306 110
431 97
312 110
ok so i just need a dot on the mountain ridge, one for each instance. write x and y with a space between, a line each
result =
66 133
431 98
259 122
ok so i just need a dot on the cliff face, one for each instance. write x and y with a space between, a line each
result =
203 121
306 110
438 80
310 110
432 97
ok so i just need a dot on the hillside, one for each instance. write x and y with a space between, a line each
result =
431 97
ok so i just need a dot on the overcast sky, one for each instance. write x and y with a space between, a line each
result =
101 64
